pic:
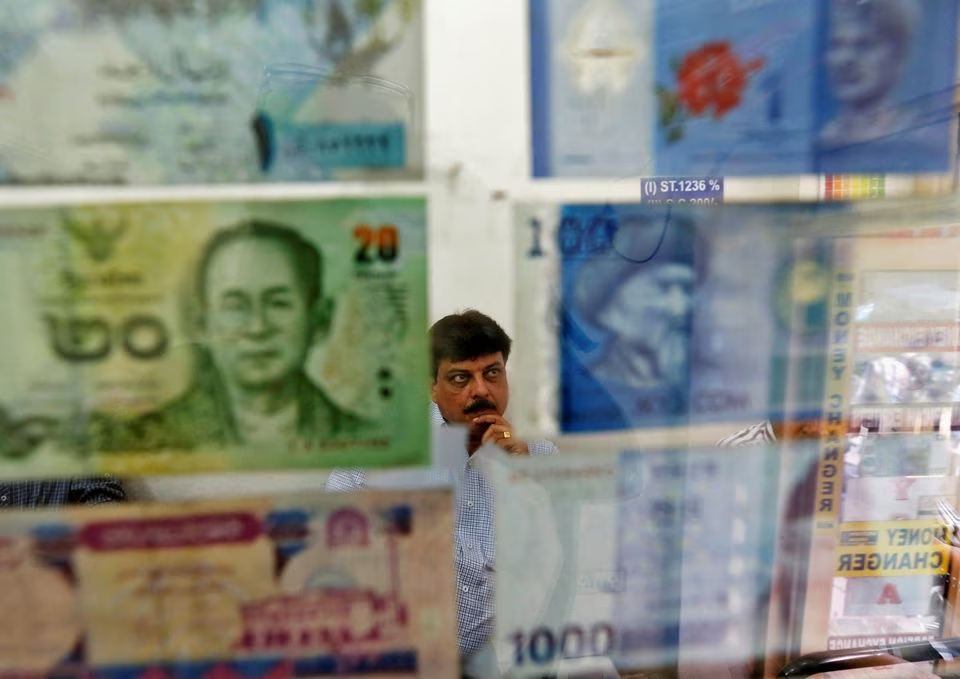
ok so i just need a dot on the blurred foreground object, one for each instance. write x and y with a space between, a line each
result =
264 588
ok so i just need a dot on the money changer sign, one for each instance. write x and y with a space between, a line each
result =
888 548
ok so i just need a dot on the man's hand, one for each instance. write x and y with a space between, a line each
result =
500 433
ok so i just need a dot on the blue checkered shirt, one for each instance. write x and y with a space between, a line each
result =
57 492
473 542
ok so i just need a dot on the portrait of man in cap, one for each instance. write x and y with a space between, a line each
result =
629 334
641 298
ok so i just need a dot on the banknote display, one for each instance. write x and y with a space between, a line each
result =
710 87
650 316
210 91
326 585
180 337
664 558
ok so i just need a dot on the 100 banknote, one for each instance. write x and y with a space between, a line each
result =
654 315
155 338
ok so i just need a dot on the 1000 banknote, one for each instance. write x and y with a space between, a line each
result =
653 316
156 338
265 588
642 559
201 91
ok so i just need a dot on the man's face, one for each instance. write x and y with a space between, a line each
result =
465 389
862 61
257 322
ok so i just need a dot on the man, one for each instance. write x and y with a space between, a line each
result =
470 389
261 309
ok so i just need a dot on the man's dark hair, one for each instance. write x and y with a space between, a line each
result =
304 255
465 336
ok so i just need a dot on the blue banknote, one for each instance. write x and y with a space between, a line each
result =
209 91
668 315
650 560
710 87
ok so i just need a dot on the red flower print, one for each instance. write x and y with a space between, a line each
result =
713 77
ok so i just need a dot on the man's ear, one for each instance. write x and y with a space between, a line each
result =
321 318
433 389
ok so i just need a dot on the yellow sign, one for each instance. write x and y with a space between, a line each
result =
886 548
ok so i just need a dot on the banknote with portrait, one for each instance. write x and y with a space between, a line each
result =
648 560
266 588
176 337
643 316
712 88
210 91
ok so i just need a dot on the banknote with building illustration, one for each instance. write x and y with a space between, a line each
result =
172 337
648 559
651 316
326 585
203 91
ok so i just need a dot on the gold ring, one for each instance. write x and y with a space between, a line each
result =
507 434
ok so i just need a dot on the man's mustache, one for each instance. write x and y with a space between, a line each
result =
478 405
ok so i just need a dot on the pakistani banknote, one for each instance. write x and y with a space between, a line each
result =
647 560
200 91
326 585
711 88
176 337
644 316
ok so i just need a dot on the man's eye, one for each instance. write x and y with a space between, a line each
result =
459 380
280 303
494 372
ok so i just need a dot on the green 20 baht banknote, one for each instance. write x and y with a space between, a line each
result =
176 337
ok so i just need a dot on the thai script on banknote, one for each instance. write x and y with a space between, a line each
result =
154 338
263 588
210 91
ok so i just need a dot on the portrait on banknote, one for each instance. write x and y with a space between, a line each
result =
160 337
876 58
261 308
653 316
692 88
210 91
640 300
261 587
